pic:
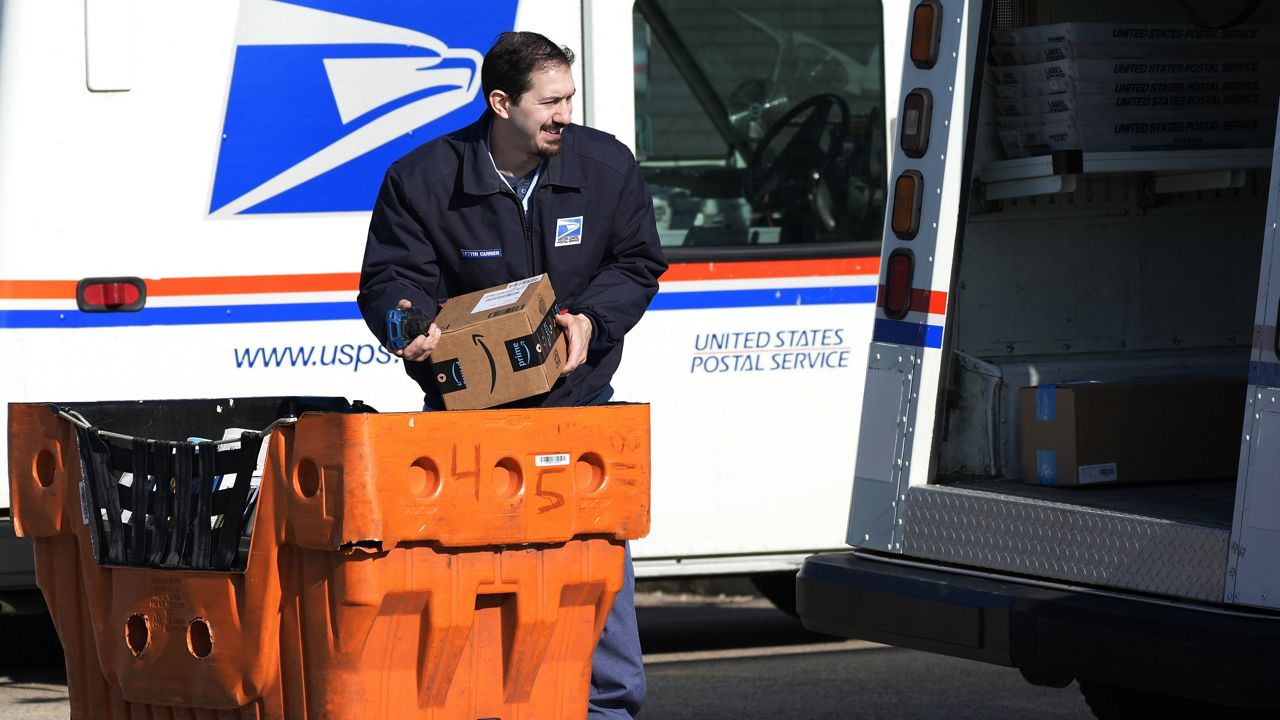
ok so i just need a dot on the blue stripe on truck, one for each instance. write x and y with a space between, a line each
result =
347 310
764 297
1264 374
899 332
197 315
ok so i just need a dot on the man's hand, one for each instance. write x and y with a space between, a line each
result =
421 347
577 330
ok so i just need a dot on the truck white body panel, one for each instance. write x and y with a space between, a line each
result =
228 154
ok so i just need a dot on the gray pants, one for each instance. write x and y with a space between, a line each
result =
617 669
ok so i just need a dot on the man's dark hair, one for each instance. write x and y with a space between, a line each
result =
515 57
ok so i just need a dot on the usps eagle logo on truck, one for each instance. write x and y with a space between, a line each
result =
326 94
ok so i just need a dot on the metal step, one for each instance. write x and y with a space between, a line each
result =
1164 539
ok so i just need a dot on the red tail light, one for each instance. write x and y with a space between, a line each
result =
897 287
111 294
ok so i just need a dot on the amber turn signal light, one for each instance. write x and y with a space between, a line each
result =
926 33
907 193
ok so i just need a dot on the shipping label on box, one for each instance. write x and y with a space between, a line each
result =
498 345
1102 433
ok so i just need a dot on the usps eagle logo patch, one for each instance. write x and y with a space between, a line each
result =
569 231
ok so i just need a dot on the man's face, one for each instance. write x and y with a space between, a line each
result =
544 110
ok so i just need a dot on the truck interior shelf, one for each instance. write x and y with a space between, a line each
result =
1172 171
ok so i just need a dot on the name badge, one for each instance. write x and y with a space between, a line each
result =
569 231
476 254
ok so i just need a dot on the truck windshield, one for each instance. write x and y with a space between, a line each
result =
760 123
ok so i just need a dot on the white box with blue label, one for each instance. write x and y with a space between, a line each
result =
498 345
1087 433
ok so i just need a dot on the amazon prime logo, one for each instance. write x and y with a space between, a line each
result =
520 355
326 94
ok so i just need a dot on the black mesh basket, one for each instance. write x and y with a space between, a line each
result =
174 483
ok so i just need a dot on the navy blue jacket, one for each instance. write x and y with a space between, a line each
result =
446 224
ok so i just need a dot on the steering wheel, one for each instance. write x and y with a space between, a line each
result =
779 180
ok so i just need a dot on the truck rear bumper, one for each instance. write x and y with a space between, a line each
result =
1051 634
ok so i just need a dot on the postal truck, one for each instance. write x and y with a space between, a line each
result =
185 194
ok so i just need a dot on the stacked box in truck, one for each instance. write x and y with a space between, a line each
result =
1101 54
1085 433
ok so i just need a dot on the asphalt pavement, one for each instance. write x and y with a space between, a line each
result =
708 656
33 680
731 657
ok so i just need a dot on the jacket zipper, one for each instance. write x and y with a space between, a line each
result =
528 231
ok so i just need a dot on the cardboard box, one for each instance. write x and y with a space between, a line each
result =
1135 107
1088 433
1169 37
1058 51
498 345
1033 138
1092 70
1154 84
